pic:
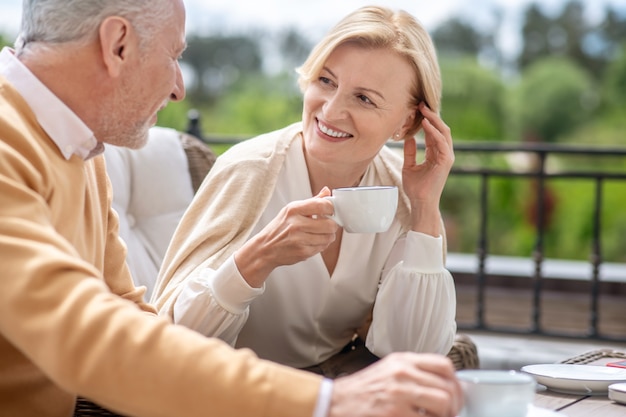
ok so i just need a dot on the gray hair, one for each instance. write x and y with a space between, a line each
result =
62 21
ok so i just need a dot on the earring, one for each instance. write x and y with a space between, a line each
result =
397 136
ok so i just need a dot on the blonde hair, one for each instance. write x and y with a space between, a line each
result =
381 27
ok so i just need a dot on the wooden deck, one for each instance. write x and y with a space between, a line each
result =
562 311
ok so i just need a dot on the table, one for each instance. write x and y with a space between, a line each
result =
583 405
579 405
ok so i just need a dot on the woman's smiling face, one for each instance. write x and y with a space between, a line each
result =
360 99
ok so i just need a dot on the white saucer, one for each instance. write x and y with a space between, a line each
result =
534 411
576 379
617 392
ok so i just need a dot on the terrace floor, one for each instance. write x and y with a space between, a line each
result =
562 312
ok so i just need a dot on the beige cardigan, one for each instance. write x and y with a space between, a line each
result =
213 229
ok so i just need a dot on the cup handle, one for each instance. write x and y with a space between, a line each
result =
334 216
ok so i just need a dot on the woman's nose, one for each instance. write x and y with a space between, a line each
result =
335 107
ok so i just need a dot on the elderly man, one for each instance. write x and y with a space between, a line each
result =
87 73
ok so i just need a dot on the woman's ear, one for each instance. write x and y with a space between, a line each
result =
411 123
116 43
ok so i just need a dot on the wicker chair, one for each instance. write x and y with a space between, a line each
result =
464 353
86 408
594 355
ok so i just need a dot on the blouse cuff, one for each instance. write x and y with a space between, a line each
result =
423 253
230 290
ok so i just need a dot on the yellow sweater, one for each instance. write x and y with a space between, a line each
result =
71 321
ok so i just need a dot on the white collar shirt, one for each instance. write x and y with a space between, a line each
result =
71 135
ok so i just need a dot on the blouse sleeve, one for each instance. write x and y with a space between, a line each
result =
416 302
216 302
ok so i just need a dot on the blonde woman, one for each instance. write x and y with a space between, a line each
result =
256 262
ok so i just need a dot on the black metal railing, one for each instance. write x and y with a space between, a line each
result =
539 172
540 152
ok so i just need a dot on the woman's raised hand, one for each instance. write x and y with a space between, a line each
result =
424 182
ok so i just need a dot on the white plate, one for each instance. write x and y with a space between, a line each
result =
576 379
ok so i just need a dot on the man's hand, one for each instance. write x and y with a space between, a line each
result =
399 385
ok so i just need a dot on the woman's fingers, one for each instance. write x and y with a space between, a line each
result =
410 153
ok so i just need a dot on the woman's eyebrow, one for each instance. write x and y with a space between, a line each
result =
369 90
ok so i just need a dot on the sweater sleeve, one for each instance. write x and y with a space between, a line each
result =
416 303
216 303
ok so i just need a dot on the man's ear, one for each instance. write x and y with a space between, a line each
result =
116 43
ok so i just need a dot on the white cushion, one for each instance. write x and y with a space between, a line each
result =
151 190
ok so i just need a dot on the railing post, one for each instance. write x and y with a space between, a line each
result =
538 249
596 258
482 252
193 124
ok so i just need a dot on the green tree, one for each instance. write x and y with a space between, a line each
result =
571 35
255 104
554 97
473 102
294 48
608 126
218 62
456 37
615 81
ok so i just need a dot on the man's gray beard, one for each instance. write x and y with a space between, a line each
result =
135 140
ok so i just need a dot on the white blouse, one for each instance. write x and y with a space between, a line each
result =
302 315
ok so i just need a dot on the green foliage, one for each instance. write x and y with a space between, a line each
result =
614 221
218 62
473 102
455 36
615 81
174 115
554 97
4 41
510 231
605 129
570 236
255 105
462 220
570 33
565 238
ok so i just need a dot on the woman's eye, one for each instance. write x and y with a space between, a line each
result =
364 99
324 80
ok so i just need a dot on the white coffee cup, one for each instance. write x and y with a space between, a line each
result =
369 209
496 393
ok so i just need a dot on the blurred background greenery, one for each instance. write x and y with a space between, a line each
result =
567 84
